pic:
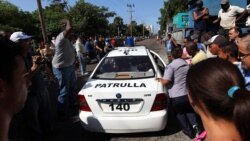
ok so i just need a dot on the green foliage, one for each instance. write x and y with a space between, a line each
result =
8 12
12 19
87 19
116 26
171 8
52 16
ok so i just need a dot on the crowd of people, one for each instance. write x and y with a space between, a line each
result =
210 73
55 63
208 78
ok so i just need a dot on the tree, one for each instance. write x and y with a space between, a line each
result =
141 31
53 14
118 23
12 19
171 8
90 19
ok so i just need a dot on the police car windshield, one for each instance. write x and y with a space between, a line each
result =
125 67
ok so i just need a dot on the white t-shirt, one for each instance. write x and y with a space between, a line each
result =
64 52
79 47
228 17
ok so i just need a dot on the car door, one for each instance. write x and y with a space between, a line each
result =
161 65
159 62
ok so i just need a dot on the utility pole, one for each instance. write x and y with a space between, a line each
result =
118 28
143 30
118 32
130 6
41 18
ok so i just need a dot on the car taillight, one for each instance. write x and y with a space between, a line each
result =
160 102
83 104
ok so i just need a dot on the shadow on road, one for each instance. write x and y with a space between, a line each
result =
69 131
171 128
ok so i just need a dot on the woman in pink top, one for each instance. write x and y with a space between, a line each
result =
185 54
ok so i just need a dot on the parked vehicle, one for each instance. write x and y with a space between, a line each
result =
123 94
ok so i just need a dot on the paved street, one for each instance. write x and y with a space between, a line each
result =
72 130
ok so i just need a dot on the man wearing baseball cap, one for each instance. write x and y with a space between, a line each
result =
37 104
19 36
215 43
227 16
23 40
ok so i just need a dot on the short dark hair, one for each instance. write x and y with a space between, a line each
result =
176 52
199 3
208 83
230 48
169 35
192 48
8 53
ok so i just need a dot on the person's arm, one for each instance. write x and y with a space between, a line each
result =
217 20
35 65
98 48
168 75
67 28
42 52
241 16
204 15
174 41
164 81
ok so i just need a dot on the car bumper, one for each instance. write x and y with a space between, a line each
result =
155 121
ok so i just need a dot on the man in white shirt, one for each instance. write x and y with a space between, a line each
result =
227 15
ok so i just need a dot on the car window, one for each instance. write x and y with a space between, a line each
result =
160 66
125 67
159 63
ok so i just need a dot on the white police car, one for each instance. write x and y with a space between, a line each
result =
123 95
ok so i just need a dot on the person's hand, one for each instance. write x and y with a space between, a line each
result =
35 62
36 59
65 22
158 79
77 63
205 11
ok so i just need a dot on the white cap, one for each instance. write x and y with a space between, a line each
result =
217 39
19 36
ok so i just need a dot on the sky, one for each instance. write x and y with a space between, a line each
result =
144 11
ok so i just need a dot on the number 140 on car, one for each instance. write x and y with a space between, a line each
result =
119 106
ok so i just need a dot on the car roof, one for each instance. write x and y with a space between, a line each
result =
128 51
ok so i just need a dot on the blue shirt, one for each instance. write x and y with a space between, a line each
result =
246 75
169 45
176 72
201 23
